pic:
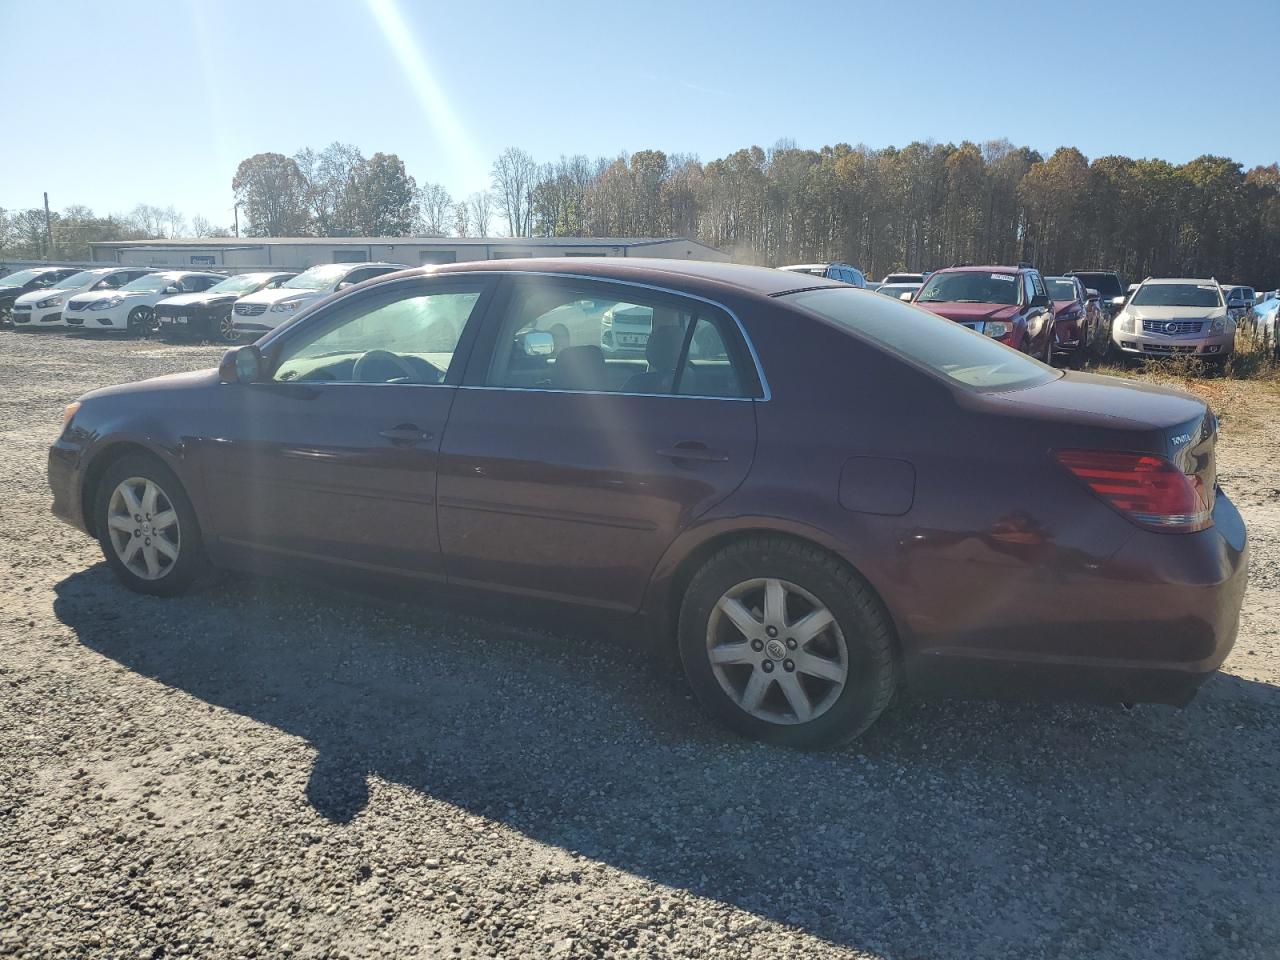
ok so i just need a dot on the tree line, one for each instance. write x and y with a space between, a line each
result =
917 207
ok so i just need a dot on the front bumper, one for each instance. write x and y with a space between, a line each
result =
115 318
1160 619
66 481
1159 345
187 322
37 317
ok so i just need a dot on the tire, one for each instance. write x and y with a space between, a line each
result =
1048 347
224 331
769 667
151 569
141 321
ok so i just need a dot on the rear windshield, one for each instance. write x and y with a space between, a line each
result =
943 347
1107 284
1177 295
970 286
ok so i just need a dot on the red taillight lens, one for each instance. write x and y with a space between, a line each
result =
1147 489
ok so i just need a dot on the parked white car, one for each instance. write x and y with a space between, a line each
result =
1168 317
131 309
43 309
260 312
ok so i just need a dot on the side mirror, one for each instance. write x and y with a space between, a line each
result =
1040 300
242 365
343 285
905 296
1091 295
1118 301
537 343
172 289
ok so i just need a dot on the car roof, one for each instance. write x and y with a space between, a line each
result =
989 268
707 274
1164 280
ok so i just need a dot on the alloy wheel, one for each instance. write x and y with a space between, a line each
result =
142 524
141 321
227 330
777 651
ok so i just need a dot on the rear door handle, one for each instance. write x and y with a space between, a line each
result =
405 435
692 450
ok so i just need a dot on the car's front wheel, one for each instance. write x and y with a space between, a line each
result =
784 643
146 527
140 322
227 330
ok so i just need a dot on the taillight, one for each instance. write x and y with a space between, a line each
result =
1146 488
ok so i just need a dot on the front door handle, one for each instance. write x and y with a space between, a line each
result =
405 435
692 450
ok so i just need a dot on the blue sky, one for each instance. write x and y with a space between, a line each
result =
112 104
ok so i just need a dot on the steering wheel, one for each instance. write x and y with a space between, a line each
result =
381 366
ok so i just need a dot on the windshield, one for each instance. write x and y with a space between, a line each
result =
317 278
1061 288
19 278
151 283
970 286
1107 284
1177 295
82 279
946 348
241 284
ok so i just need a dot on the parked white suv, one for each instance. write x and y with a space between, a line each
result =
1177 316
131 309
260 312
43 308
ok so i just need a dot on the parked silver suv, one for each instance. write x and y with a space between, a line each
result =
1169 317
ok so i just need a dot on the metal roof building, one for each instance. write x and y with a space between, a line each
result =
298 253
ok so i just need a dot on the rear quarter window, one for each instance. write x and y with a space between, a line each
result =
940 347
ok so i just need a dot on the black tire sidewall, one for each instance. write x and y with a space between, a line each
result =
859 616
140 327
191 548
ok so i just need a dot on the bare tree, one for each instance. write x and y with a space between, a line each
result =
173 223
515 174
480 206
436 206
147 220
461 219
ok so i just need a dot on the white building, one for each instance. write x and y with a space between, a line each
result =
298 253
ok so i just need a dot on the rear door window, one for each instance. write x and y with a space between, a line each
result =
579 336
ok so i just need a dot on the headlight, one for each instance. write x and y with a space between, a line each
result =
997 329
68 412
1124 323
606 321
285 306
49 302
106 304
1220 325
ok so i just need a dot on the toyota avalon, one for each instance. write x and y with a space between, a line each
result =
817 495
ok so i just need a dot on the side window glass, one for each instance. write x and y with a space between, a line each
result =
111 282
1028 288
408 340
564 337
708 369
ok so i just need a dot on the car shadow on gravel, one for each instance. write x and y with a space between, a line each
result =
952 829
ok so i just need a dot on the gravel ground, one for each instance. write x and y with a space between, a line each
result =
272 770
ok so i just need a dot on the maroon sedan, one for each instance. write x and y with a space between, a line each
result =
819 494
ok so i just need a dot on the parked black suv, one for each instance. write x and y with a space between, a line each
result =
27 281
1111 289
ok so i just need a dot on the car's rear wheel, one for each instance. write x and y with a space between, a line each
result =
146 527
141 321
227 330
784 643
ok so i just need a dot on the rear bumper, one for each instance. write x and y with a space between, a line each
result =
1163 617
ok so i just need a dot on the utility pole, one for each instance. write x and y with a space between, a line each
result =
236 208
48 228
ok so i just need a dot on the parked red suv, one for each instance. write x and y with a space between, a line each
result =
1009 304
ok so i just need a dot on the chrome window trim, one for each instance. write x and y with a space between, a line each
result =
429 274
